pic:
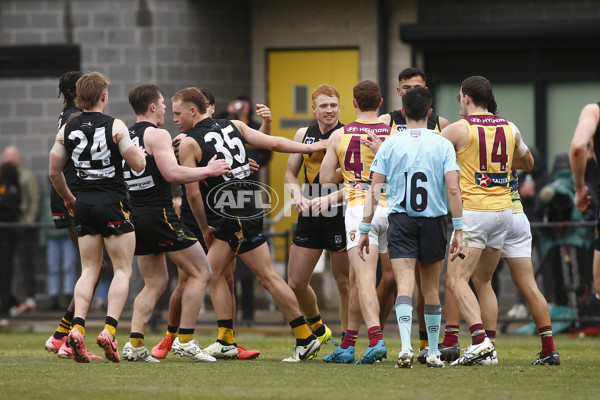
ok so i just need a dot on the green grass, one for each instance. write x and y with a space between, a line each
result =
28 371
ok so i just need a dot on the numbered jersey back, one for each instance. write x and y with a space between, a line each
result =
355 159
485 163
221 138
147 188
89 142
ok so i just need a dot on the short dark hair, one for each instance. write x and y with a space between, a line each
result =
367 95
479 89
410 72
416 103
141 96
210 97
66 86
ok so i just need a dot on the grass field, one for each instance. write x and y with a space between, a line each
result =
27 371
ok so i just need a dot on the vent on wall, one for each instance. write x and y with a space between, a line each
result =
38 61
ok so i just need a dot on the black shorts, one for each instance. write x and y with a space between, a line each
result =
242 235
159 231
327 233
413 237
105 220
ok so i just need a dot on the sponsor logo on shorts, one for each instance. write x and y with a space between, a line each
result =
165 243
113 224
257 238
338 239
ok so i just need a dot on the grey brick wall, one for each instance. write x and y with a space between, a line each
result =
175 43
506 11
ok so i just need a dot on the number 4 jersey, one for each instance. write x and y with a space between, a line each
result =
88 139
485 163
355 159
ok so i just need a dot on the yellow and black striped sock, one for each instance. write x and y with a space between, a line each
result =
186 335
423 340
226 335
79 324
316 324
136 339
172 331
65 326
110 324
302 332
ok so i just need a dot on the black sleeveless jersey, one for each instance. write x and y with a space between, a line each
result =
433 122
98 163
68 169
312 161
147 189
220 194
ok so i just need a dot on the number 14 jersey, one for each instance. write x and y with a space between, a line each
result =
485 163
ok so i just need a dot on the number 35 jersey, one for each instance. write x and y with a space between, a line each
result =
88 139
485 163
222 138
355 159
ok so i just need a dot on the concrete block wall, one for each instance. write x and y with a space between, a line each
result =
175 43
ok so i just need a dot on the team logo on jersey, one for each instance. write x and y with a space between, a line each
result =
400 128
242 199
491 179
309 140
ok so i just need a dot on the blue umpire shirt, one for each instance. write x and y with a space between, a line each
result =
414 163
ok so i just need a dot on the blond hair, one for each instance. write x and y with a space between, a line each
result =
191 95
89 89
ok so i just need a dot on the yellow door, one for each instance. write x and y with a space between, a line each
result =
292 77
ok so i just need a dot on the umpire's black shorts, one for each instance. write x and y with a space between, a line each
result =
414 237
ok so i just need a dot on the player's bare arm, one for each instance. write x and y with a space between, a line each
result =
189 155
385 118
276 143
584 132
294 164
452 179
58 159
371 201
329 172
443 122
158 143
457 133
134 155
522 158
265 113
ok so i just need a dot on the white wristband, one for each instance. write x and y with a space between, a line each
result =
521 150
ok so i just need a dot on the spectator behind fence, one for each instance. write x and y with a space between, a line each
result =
30 208
530 184
558 203
10 199
61 260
